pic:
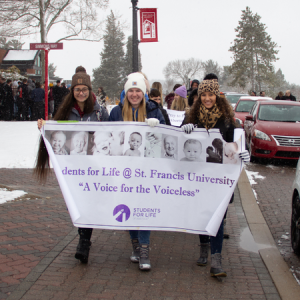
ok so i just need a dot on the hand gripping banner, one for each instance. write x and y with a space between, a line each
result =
127 175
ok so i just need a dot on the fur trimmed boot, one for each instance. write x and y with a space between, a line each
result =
202 261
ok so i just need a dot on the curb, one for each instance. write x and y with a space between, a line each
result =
283 279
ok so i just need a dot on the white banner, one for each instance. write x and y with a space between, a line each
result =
127 175
176 117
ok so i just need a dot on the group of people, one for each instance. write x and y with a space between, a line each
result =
140 104
25 100
280 96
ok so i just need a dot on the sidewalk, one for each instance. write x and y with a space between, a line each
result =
38 242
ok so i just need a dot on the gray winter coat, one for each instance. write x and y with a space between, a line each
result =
98 114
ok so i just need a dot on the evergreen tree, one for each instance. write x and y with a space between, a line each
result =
128 57
253 53
51 70
110 74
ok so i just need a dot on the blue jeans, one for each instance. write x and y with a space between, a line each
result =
216 242
142 235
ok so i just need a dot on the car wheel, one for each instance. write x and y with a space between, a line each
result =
295 224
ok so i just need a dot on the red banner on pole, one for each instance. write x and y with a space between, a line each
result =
148 25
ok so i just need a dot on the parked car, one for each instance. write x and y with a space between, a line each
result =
295 220
272 130
244 105
233 98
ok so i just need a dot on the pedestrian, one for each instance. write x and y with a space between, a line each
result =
6 99
31 87
156 96
170 97
58 94
212 111
280 96
194 86
192 99
253 93
78 105
65 91
15 96
157 85
50 101
135 108
9 106
101 96
23 101
289 96
38 99
180 102
262 94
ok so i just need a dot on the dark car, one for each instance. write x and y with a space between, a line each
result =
244 105
272 130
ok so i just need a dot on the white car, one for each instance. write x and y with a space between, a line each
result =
295 220
233 98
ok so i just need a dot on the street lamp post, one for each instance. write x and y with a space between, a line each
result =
135 42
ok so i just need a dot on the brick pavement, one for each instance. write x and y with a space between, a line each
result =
274 197
51 272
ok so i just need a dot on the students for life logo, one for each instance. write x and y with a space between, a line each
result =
121 213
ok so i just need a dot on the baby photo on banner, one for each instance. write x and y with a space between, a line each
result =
127 175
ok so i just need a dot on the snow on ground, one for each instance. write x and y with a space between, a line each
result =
19 144
6 195
252 176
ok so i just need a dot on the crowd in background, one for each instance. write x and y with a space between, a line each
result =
25 100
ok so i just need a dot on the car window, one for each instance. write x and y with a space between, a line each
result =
244 106
279 113
234 98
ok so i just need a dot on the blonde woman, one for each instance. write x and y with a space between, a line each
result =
135 108
157 85
180 102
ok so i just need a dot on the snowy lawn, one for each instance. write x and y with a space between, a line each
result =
19 144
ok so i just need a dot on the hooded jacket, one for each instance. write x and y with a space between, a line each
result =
98 114
152 110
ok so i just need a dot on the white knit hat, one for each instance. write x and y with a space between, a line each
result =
135 80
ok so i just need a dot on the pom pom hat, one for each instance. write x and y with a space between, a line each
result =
181 91
80 77
135 80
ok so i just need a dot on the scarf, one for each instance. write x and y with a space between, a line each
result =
76 106
209 117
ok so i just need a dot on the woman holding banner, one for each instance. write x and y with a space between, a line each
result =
212 111
78 105
135 108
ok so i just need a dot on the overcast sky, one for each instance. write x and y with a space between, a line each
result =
192 28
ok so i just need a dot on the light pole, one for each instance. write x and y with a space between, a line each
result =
135 42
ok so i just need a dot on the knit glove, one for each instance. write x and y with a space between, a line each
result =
188 128
244 156
152 122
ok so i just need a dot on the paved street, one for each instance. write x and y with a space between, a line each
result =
38 241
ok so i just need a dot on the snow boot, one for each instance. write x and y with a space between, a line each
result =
202 261
144 257
83 249
216 266
135 256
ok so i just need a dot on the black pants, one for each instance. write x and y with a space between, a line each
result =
22 110
85 233
38 110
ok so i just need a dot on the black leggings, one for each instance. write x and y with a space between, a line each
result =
85 233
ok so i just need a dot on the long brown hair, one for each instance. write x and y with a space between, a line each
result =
127 111
42 163
222 104
179 104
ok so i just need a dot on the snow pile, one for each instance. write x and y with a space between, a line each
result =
19 144
6 195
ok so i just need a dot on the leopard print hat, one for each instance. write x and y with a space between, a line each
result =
210 85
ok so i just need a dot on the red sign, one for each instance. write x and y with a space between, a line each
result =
148 25
46 46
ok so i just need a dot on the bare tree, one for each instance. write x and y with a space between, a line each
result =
183 70
26 17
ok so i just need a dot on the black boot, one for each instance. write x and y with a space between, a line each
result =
202 261
135 256
144 263
82 251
